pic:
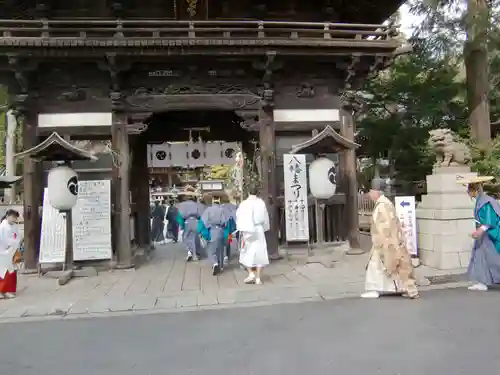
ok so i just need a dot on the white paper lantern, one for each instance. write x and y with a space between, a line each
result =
322 178
62 185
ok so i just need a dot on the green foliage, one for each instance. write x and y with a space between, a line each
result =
444 31
486 162
365 176
427 90
418 93
486 158
251 177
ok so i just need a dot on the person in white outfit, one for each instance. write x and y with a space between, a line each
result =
10 239
252 221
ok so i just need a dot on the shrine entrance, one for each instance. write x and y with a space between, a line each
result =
178 147
184 147
145 118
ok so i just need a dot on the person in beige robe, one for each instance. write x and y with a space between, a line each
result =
389 268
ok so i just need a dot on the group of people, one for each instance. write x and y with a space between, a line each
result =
390 269
218 223
160 213
216 226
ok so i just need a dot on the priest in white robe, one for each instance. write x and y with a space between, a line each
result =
389 269
252 221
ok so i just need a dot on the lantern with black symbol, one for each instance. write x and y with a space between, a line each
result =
62 186
62 180
322 178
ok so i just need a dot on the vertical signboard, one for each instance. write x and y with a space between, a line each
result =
53 233
91 225
296 208
92 221
405 209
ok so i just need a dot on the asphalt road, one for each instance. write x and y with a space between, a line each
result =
446 332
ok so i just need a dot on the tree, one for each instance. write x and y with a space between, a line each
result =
419 92
477 21
472 19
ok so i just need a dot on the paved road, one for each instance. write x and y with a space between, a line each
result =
446 332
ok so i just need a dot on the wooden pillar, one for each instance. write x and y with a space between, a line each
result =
347 129
121 190
267 140
33 191
319 213
140 191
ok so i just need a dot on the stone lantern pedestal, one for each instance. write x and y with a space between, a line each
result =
445 220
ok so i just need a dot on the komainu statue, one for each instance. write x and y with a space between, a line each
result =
449 150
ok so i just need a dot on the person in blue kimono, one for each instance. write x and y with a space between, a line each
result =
188 214
484 266
214 227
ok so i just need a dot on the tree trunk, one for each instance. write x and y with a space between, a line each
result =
476 67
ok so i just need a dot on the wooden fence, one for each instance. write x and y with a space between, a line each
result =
79 32
365 210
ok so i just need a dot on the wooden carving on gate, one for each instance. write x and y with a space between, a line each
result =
182 96
74 94
192 5
306 90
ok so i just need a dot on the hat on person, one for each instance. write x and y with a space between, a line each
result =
474 180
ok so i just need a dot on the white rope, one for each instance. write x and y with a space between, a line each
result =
115 156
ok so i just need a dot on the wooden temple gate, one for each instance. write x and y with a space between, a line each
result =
135 81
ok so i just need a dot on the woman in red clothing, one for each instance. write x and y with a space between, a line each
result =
9 243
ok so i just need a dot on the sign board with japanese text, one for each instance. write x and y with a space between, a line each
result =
405 209
92 221
296 208
91 225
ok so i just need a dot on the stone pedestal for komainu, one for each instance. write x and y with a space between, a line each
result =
445 217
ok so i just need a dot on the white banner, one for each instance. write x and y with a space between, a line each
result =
91 225
192 154
405 209
92 221
53 234
296 208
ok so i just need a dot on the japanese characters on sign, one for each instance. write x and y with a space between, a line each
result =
405 209
296 208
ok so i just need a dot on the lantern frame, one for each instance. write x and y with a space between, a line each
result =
328 141
56 149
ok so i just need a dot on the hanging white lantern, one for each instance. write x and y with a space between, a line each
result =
62 185
322 178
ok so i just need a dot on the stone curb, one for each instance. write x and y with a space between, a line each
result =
317 295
